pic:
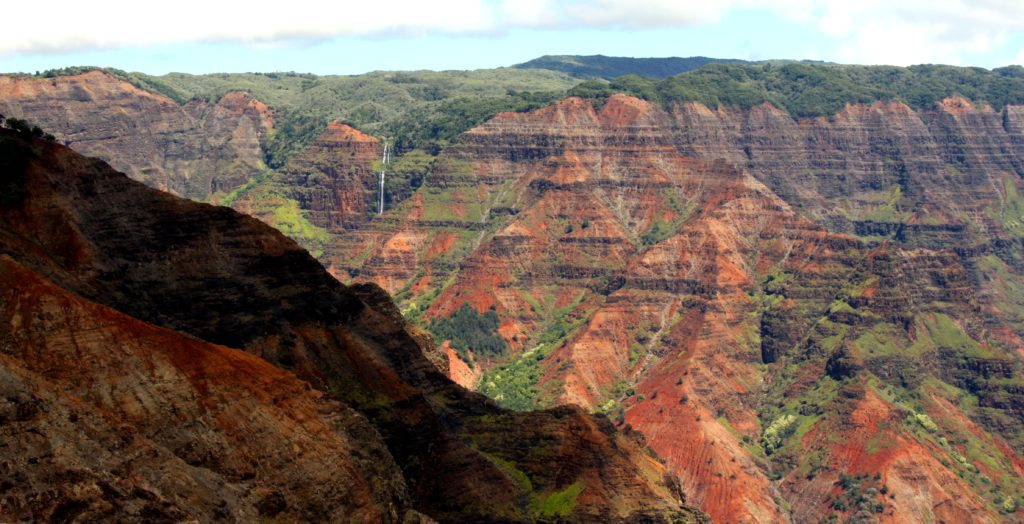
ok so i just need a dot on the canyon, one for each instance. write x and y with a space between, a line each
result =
805 319
165 360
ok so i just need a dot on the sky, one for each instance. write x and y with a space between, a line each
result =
344 37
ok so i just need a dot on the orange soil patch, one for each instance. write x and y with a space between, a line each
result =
441 244
458 370
421 285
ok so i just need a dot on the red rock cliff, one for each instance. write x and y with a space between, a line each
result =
199 150
333 179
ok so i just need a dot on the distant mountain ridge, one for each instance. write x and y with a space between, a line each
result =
609 67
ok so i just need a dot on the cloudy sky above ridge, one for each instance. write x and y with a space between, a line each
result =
354 37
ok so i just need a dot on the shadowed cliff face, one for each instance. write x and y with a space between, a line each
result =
108 417
706 302
98 271
199 150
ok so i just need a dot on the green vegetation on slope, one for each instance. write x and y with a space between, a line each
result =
1011 214
809 90
1008 288
427 109
405 175
433 127
244 189
420 108
290 220
468 330
609 67
920 366
859 349
558 503
514 384
285 214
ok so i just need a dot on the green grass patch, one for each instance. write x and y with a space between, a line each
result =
558 503
290 220
658 231
1009 286
829 335
532 301
888 209
440 204
725 423
841 306
883 339
244 189
1011 215
511 470
945 333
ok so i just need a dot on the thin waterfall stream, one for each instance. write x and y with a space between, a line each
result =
385 158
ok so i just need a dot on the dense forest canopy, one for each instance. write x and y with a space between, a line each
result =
806 90
609 67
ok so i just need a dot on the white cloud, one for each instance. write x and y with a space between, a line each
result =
896 32
65 25
644 13
918 31
529 13
75 24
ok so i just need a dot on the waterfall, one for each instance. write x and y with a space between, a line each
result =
385 158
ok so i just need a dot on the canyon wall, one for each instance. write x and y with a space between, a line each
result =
200 150
740 287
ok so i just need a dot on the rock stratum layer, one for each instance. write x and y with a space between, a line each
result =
164 360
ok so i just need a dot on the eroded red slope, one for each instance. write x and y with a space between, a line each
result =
207 432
